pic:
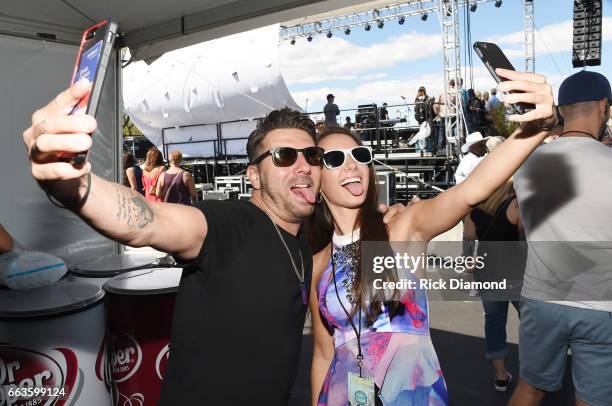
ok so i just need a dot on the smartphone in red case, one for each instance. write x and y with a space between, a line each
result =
91 63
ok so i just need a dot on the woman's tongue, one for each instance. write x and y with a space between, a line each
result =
355 188
305 193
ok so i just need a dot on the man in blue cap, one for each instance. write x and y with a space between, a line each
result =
564 195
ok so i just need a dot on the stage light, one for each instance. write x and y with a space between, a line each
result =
401 20
292 41
347 31
381 24
498 3
424 16
367 27
309 38
473 7
329 34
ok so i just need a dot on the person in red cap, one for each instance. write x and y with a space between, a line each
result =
563 192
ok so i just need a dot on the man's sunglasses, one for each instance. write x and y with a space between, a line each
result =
286 156
335 158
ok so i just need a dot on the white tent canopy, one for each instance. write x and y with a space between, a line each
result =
153 27
34 69
228 79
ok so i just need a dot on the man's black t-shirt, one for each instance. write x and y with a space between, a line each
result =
239 313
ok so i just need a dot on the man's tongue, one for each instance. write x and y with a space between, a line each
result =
355 188
306 193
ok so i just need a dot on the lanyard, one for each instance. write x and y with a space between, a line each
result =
357 331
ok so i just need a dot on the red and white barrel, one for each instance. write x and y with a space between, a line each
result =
52 341
102 269
139 308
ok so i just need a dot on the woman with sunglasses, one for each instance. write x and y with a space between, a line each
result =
372 346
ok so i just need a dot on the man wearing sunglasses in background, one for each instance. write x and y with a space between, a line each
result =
241 304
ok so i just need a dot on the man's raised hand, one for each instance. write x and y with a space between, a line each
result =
54 131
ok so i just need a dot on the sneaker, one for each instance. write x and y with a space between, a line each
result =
502 385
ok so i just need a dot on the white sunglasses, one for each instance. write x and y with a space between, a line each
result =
335 158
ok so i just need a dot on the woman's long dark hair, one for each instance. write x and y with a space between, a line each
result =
320 227
128 162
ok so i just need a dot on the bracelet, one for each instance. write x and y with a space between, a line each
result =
76 207
550 123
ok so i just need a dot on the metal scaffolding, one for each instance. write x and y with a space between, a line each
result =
529 28
448 15
370 18
449 22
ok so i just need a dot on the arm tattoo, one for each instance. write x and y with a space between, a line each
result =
132 208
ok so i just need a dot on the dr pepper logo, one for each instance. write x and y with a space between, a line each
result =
23 368
161 363
126 357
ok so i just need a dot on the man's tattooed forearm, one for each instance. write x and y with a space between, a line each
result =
132 209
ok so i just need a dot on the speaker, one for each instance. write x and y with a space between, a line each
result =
385 181
587 33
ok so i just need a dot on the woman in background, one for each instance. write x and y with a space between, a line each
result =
132 173
177 185
498 219
153 168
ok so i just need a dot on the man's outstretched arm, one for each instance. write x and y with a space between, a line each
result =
115 211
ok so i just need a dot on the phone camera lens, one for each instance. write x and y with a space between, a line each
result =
90 35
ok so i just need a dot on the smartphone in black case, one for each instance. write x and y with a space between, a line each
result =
493 57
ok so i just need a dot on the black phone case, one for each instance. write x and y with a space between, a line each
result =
493 57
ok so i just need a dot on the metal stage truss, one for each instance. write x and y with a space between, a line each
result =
454 120
529 28
372 17
448 15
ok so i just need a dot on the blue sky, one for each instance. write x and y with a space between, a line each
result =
382 65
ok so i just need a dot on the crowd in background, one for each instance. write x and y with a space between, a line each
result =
477 108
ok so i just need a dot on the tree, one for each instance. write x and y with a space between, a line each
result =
129 128
499 124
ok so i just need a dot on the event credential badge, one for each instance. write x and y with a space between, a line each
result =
360 390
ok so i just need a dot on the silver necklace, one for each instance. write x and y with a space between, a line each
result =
299 275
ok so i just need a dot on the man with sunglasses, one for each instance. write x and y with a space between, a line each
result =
241 304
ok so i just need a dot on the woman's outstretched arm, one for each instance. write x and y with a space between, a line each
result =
434 216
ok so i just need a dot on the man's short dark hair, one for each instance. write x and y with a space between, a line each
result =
278 119
452 82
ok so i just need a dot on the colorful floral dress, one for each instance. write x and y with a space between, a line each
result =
397 348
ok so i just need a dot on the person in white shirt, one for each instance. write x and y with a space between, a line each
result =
564 197
475 150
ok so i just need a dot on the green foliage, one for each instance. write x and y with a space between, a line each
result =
129 128
499 124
